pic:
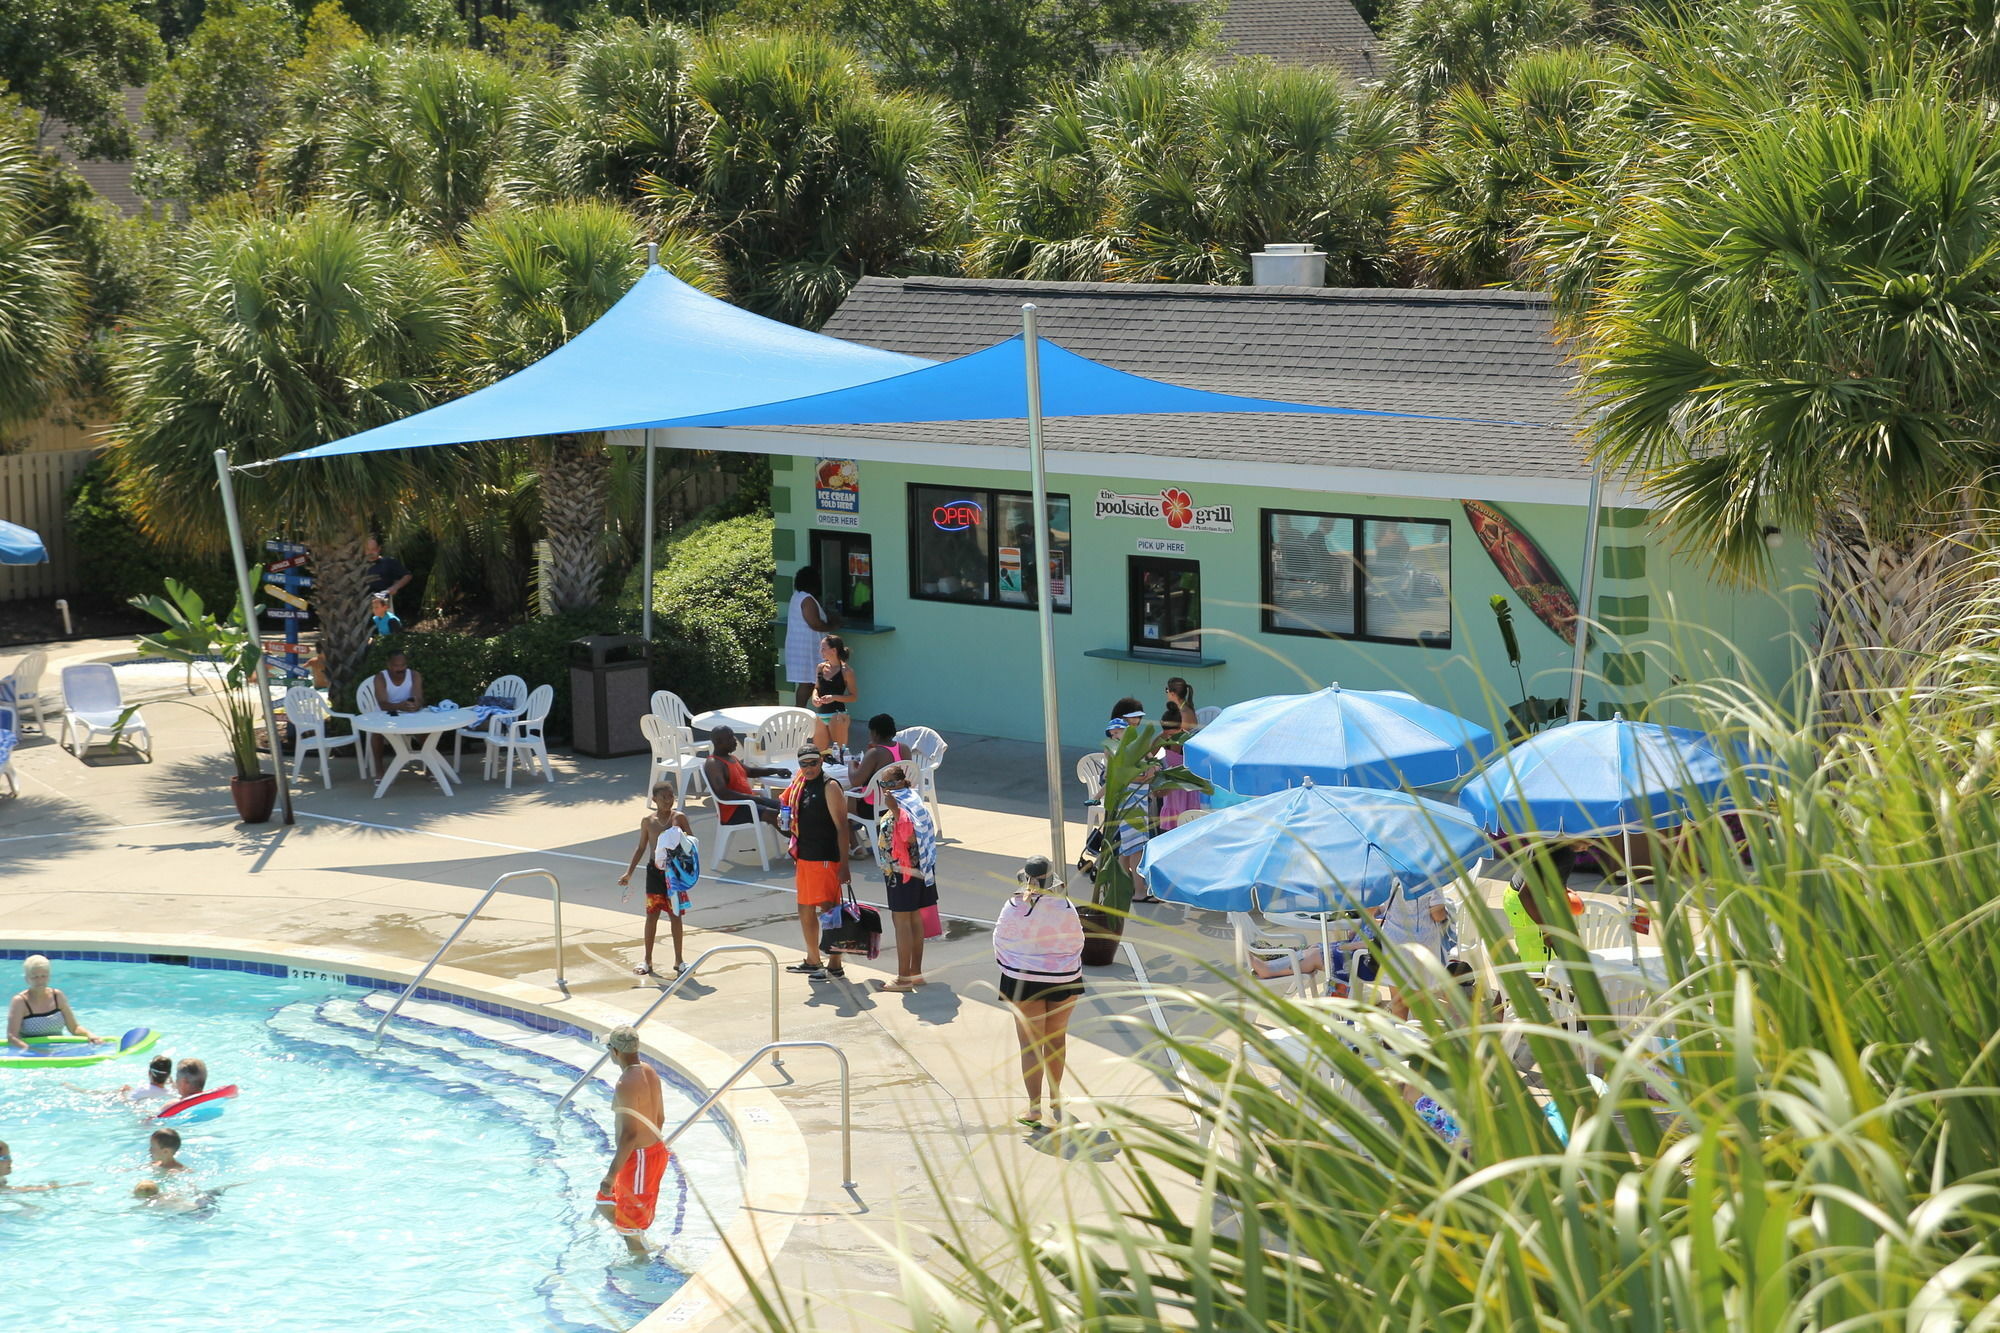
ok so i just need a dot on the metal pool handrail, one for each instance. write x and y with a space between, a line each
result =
668 992
555 887
771 1049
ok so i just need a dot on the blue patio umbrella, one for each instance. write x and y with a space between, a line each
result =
1593 778
1336 737
19 546
1312 849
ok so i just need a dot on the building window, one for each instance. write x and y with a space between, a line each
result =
1348 576
976 545
1164 602
846 562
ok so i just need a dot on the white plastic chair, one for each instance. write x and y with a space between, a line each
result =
674 756
671 709
27 678
91 706
1090 772
507 687
1207 713
1603 926
523 735
762 836
864 804
781 734
931 746
364 698
309 715
1255 939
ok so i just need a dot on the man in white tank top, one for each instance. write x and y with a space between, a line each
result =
805 622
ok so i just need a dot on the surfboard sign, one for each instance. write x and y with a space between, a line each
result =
1528 571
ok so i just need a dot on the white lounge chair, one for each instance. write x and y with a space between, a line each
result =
27 679
92 705
523 735
309 715
1256 940
10 732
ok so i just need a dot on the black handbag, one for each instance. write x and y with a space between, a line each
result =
859 931
1092 856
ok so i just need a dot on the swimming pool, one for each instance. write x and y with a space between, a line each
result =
424 1187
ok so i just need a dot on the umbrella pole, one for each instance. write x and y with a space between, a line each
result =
646 582
250 624
1045 612
1631 920
1581 626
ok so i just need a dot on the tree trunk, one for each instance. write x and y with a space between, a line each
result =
1885 601
575 484
340 603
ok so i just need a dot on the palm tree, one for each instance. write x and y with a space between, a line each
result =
1175 171
275 334
1467 197
540 276
1437 45
424 135
41 296
1798 329
809 174
618 113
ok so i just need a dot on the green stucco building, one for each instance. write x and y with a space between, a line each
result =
1249 554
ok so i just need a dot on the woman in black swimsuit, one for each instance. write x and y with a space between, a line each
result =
41 1010
833 690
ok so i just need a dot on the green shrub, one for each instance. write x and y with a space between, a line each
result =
711 630
119 562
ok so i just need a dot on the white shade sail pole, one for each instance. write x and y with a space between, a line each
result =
646 584
1045 611
248 603
1585 592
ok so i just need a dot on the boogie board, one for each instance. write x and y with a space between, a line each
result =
68 1052
1527 571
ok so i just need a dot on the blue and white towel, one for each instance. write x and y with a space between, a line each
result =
923 827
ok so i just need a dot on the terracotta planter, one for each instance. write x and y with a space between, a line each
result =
1102 932
254 797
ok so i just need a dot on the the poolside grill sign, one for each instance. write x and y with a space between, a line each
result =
1173 506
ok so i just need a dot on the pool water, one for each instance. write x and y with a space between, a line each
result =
425 1187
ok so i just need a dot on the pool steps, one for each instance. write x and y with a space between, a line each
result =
522 1074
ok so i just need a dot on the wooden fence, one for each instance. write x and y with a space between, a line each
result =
32 487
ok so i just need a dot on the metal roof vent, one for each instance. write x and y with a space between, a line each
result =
1288 265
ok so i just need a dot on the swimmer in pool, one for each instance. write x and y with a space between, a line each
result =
155 1089
7 1186
41 1010
164 1150
151 1192
629 1194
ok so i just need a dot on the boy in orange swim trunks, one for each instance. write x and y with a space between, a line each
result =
630 1190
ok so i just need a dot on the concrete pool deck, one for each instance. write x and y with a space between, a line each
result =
116 844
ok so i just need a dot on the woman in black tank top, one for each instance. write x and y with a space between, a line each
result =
833 690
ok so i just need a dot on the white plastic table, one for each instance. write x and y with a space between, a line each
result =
743 719
414 739
1646 966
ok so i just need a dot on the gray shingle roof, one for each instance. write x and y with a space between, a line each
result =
1304 32
111 180
1483 354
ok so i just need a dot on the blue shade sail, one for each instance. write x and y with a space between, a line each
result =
991 385
664 352
1336 737
1312 849
19 546
1601 777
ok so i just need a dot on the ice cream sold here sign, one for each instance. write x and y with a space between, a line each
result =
1172 506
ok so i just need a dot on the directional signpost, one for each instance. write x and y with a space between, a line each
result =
287 580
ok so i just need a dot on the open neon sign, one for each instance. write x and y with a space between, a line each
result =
958 515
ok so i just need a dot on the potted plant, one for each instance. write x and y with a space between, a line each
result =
226 652
1130 762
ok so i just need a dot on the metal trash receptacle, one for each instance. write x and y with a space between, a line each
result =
609 687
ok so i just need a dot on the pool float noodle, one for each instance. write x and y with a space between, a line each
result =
201 1106
76 1052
